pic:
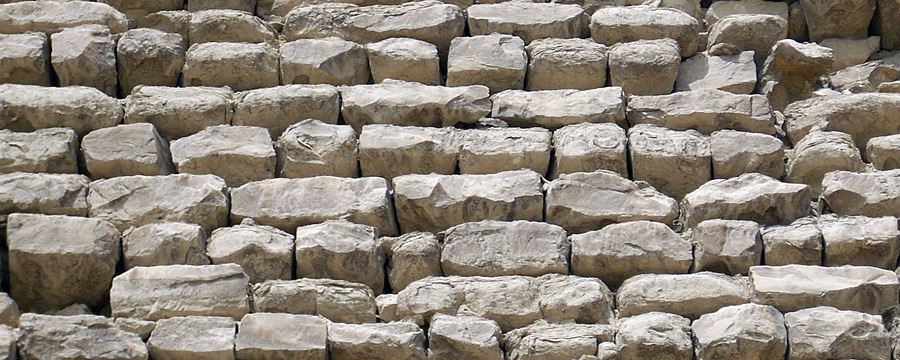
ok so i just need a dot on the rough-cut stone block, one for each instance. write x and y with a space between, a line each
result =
436 202
239 66
675 162
748 331
162 292
169 243
554 109
850 52
387 307
389 151
866 77
527 20
791 72
589 147
572 199
411 257
9 311
85 55
336 300
797 243
25 59
339 249
497 61
8 337
820 153
27 108
137 9
229 26
149 57
53 16
732 73
76 337
650 335
720 9
463 337
50 150
571 298
619 24
281 336
173 21
795 287
751 197
124 150
555 341
290 203
139 200
179 112
748 32
565 64
404 59
884 152
277 108
886 25
313 148
644 67
688 295
860 240
51 194
397 340
237 154
139 327
620 251
838 19
264 252
488 151
870 194
56 261
703 110
193 337
404 103
496 248
827 333
324 61
863 116
242 5
726 246
735 153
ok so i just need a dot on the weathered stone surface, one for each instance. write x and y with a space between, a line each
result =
791 71
797 243
488 151
264 252
176 22
748 331
726 246
137 9
51 194
330 61
528 20
277 108
389 151
8 337
828 333
720 9
404 103
589 147
554 109
86 56
850 52
162 292
339 249
463 337
336 300
860 240
753 197
890 87
833 19
313 148
27 108
168 243
53 16
688 295
619 24
404 59
863 116
193 337
497 61
51 150
387 307
652 334
229 26
565 64
139 200
436 202
179 112
124 150
571 298
703 110
866 77
242 5
397 340
281 336
496 248
76 337
555 341
748 32
884 152
139 327
239 66
411 257
237 154
149 57
797 28
674 162
886 26
819 153
572 199
290 203
25 59
735 153
795 287
732 73
9 311
690 7
632 63
870 194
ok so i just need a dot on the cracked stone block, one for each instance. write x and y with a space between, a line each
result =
825 332
404 59
83 109
86 56
884 152
397 340
76 337
193 337
527 20
488 151
752 196
50 194
688 295
264 252
820 153
221 25
706 111
747 331
870 194
339 249
336 300
179 112
52 150
470 337
239 66
587 148
735 153
124 150
172 21
621 24
496 248
632 65
726 246
313 148
167 243
748 32
542 340
324 61
553 109
863 116
732 73
797 243
675 162
649 335
497 61
25 59
565 64
860 240
284 336
54 16
411 257
389 151
237 154
277 108
149 57
137 9
838 19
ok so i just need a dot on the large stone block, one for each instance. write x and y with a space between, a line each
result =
497 61
237 154
168 243
389 151
469 337
587 148
827 333
494 150
51 150
149 57
619 24
193 337
264 252
554 109
860 240
137 9
221 25
791 72
496 248
281 336
797 243
721 9
751 197
86 56
277 108
820 153
546 341
748 32
884 152
644 67
795 287
51 194
851 52
886 12
688 295
337 300
313 148
410 257
339 249
124 150
25 59
397 340
675 162
703 110
173 21
748 331
324 61
527 20
726 246
735 153
179 112
239 66
404 59
867 77
54 16
838 19
863 116
76 337
870 194
565 64
732 73
649 335
27 108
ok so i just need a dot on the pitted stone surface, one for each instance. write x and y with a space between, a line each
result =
800 243
826 332
646 335
336 300
404 59
555 341
312 148
870 194
277 108
50 194
179 112
237 154
496 248
389 151
167 243
389 341
52 17
220 25
703 110
819 154
470 337
528 20
587 148
618 24
83 109
565 64
76 337
86 56
131 149
747 331
410 257
269 336
497 61
726 246
264 252
860 240
149 57
631 63
51 150
735 153
554 109
751 196
689 295
324 61
236 65
675 162
341 250
25 59
494 150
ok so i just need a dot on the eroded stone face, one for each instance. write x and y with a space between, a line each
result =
863 116
149 57
869 194
50 150
618 24
82 336
818 154
195 337
125 150
496 61
747 331
471 337
264 252
825 332
398 340
492 248
732 73
494 150
324 61
735 153
751 197
167 243
51 194
336 300
179 112
726 246
25 59
236 65
411 257
22 17
277 108
229 26
553 109
689 295
281 335
652 333
312 148
632 63
83 109
860 240
389 151
565 64
404 59
846 19
675 162
555 341
530 21
587 148
237 154
86 56
706 111
339 249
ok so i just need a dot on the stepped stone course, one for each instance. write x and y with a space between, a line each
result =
688 295
528 20
489 151
645 335
860 240
83 109
726 246
555 341
179 112
870 194
823 331
617 24
264 252
495 248
797 243
589 147
751 196
336 300
554 109
277 108
82 336
124 150
735 153
172 338
675 162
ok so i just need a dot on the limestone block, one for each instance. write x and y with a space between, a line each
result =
27 108
795 287
76 337
527 20
411 257
25 59
555 341
86 56
589 147
237 154
403 103
797 28
264 252
179 112
825 332
336 300
703 110
8 337
139 200
277 108
242 5
720 9
149 57
497 61
137 9
735 153
162 292
572 199
53 16
565 64
650 335
74 257
585 300
495 248
838 19
9 311
884 152
51 194
747 331
168 243
752 196
791 72
221 25
51 150
404 59
863 116
389 151
850 52
313 148
488 151
324 61
860 240
281 336
748 32
690 7
290 203
797 243
866 77
633 64
688 295
732 73
174 21
820 153
436 202
387 307
239 66
870 194
124 150
620 24
675 162
727 246
139 327
397 340
554 109
886 26
463 337
339 249
193 337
